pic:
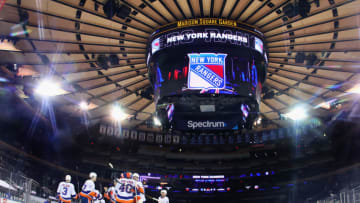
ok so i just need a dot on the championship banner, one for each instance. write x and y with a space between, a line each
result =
231 139
133 135
102 129
126 133
142 136
167 139
176 139
200 139
206 71
265 137
159 138
117 132
110 131
150 137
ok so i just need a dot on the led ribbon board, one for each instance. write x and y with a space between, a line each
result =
204 31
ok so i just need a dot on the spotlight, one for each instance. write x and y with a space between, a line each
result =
258 122
45 59
84 106
326 104
156 121
298 113
265 89
118 114
310 60
103 61
47 88
355 89
300 57
114 59
24 17
269 95
303 7
290 10
147 93
111 7
13 68
2 79
123 11
317 2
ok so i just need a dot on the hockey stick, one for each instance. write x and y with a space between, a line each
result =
153 198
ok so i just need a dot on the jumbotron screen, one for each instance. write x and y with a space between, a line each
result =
206 56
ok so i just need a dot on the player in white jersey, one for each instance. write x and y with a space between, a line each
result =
141 190
163 198
126 189
88 192
110 192
99 199
66 191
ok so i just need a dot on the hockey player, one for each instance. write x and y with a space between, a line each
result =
66 191
140 196
110 192
88 192
163 198
125 189
99 199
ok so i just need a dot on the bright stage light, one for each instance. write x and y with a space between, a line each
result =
48 88
325 104
298 113
258 122
355 89
84 106
7 45
118 114
157 121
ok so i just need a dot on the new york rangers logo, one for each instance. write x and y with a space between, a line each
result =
206 71
155 45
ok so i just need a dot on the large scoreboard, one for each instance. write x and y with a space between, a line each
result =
209 60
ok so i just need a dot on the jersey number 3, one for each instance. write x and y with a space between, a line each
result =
65 190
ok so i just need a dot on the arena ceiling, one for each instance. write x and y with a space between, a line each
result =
73 33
